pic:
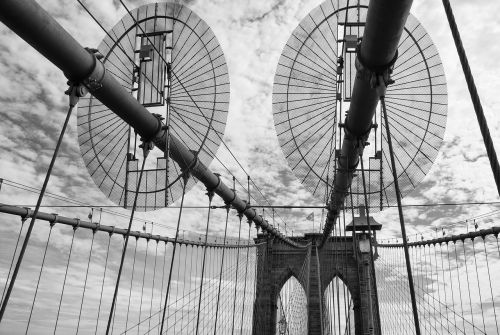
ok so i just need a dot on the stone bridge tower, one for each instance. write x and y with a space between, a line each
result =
346 257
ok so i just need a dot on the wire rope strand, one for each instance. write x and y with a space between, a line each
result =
401 219
459 285
478 285
102 284
39 277
246 274
478 108
444 288
64 281
23 220
236 279
185 179
221 270
162 281
153 286
127 235
431 273
37 208
131 283
85 281
489 281
438 287
468 285
452 289
143 278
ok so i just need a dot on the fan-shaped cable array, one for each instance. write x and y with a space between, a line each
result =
168 58
312 91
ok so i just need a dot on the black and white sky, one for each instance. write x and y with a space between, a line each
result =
252 35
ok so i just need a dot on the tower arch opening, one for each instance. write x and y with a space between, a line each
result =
291 308
338 311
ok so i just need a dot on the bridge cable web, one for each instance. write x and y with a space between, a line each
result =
206 149
176 316
450 288
210 125
73 100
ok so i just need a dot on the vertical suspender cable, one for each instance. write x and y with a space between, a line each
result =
185 180
72 104
489 281
478 108
153 287
127 235
102 284
246 273
131 283
478 285
210 194
237 268
444 289
452 290
39 276
468 287
142 286
65 276
221 269
162 280
401 219
459 285
85 282
23 220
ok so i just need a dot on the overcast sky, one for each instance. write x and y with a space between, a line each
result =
252 35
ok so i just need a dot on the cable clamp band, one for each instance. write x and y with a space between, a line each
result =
27 215
54 220
377 75
159 129
211 191
93 81
78 221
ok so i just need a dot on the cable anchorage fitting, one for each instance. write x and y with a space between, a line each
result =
75 92
146 147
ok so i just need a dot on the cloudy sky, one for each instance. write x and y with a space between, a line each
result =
252 35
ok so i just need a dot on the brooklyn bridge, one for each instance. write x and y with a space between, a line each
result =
143 189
